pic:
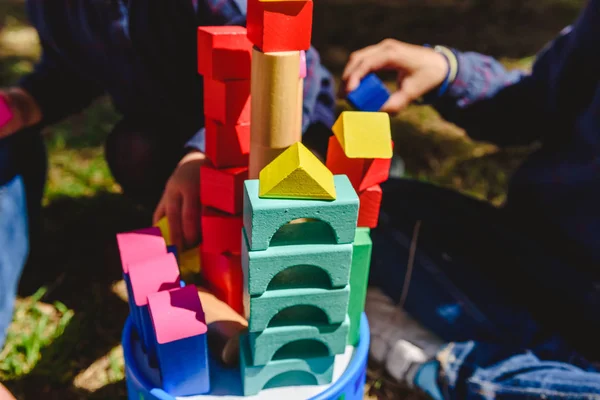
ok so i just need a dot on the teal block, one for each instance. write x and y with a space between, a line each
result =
288 372
305 306
298 265
263 217
298 341
359 277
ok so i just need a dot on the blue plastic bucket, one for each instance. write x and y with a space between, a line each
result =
226 383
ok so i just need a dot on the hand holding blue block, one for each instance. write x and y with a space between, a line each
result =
370 95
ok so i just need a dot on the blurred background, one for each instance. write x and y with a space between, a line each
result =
64 341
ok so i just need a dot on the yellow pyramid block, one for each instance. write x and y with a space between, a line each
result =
364 134
189 260
296 174
163 225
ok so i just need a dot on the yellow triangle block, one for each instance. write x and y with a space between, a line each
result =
296 174
364 134
163 225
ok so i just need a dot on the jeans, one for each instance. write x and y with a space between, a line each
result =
520 321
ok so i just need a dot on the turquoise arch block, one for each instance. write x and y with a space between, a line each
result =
263 217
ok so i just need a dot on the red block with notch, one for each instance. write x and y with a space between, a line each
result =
227 102
370 203
223 189
362 172
223 275
280 25
227 145
221 232
224 52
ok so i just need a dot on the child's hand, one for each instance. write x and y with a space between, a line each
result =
180 201
420 69
23 109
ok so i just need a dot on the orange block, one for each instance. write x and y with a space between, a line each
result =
223 189
227 145
224 52
227 102
370 203
362 172
280 25
221 232
223 275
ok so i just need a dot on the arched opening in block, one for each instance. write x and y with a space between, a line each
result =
304 231
301 276
299 315
304 348
291 378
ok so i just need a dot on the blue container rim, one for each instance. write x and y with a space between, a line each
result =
354 369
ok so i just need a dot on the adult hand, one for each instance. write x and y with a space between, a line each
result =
180 201
24 109
420 69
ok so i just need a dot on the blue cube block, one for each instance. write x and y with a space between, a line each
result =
370 95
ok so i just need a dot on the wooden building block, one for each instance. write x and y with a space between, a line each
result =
288 372
227 102
303 306
147 277
274 111
362 172
180 328
223 274
5 113
309 259
227 145
280 26
370 203
298 341
223 189
188 260
224 52
264 217
221 232
359 279
364 134
303 64
296 174
370 95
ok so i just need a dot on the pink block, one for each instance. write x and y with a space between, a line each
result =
302 64
153 275
5 113
177 314
139 245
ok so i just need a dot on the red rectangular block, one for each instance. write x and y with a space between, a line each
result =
227 145
223 275
221 232
223 189
370 203
227 102
280 25
224 52
362 173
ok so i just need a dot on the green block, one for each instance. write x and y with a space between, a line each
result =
303 264
288 372
298 341
304 306
359 277
263 217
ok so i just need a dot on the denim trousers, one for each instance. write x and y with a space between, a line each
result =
519 322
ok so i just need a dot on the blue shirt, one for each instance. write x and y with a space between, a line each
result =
143 54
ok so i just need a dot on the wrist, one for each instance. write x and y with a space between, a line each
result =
192 155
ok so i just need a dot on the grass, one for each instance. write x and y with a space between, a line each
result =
64 342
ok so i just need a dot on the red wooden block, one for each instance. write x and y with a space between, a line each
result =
227 102
223 189
280 25
223 274
221 232
227 145
224 52
363 173
368 211
5 113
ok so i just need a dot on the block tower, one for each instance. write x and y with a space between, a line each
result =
299 226
224 54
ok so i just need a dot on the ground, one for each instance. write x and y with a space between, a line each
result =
64 342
